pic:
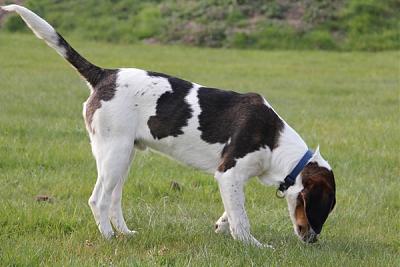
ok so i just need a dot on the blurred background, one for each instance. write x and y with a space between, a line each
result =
352 25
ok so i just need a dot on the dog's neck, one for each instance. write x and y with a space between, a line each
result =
289 150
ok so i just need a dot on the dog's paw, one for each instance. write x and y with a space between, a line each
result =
250 240
130 233
222 226
108 235
267 246
258 244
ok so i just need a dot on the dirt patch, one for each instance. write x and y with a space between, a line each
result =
44 198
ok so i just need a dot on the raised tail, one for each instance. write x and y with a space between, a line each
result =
45 31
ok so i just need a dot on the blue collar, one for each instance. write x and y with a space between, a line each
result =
291 178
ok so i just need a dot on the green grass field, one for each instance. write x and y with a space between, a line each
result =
346 102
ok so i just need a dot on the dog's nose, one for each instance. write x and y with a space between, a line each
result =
310 238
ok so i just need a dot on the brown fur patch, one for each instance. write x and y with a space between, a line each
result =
243 119
301 217
227 162
313 174
318 194
104 90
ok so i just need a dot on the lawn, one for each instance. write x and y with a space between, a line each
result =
348 103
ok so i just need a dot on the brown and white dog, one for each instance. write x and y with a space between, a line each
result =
231 135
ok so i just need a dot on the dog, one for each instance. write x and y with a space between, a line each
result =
231 135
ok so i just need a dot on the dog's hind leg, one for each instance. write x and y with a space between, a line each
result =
116 214
94 198
222 225
113 157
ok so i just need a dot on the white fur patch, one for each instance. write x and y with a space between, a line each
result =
39 26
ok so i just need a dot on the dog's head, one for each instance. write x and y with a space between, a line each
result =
310 205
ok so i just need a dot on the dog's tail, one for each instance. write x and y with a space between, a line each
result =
45 31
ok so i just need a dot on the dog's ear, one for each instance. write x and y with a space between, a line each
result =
333 203
317 153
318 203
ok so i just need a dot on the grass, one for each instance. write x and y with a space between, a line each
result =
346 102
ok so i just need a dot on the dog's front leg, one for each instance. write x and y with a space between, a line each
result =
231 189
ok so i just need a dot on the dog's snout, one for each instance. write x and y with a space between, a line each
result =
306 234
310 237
